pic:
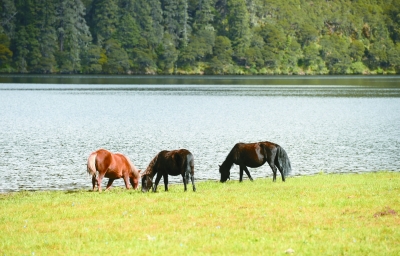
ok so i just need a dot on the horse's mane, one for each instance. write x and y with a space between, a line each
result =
135 171
150 167
228 162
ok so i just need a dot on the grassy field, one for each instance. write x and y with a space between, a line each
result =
336 214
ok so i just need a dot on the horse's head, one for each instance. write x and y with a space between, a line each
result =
147 183
135 179
225 173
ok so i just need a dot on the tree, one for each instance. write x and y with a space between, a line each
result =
45 22
73 34
93 59
21 49
204 16
148 16
7 17
238 27
223 49
5 53
253 54
128 33
356 50
310 55
199 47
394 57
335 53
168 55
104 17
307 34
117 58
176 21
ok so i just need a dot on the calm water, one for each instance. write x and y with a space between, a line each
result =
49 125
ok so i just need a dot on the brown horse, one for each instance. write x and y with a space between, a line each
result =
255 155
175 162
112 166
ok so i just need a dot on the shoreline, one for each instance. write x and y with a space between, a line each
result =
179 183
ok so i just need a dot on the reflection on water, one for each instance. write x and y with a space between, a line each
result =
47 131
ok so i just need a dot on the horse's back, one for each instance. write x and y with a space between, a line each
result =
177 161
269 144
103 159
122 161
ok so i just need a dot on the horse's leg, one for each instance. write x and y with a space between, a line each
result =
165 178
185 181
126 181
241 173
94 181
187 177
99 179
273 167
247 172
192 178
158 178
280 168
109 183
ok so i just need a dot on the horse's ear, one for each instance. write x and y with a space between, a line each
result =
139 171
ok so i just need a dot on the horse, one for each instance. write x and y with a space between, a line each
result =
255 155
175 162
112 166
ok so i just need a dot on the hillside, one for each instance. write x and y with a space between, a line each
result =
200 36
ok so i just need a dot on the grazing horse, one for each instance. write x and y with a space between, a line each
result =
255 155
112 166
175 162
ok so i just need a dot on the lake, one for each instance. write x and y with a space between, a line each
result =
50 124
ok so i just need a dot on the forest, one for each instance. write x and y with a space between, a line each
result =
293 37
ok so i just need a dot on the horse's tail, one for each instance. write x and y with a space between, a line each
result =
283 161
189 164
91 164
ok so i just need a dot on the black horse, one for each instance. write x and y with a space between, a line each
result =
255 155
175 162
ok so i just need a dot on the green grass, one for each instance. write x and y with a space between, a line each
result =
349 214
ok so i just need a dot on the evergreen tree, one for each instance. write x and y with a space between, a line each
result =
117 58
168 55
7 27
7 17
104 20
21 50
5 53
128 33
47 38
176 21
148 15
73 34
204 16
238 27
168 36
93 59
222 60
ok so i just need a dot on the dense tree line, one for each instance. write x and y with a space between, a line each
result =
200 36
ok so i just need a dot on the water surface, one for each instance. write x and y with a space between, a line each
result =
49 126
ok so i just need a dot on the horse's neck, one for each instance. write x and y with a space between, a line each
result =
228 162
151 170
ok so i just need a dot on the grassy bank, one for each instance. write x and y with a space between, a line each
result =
351 214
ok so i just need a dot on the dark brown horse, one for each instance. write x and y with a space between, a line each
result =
112 166
175 162
255 155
